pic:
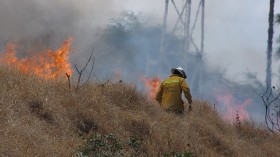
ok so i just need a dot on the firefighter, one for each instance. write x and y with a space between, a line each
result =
169 94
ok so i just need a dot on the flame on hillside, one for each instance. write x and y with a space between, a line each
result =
233 107
152 85
48 64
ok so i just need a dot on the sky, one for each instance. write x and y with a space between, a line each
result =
235 33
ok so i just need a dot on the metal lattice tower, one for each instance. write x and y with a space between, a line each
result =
183 26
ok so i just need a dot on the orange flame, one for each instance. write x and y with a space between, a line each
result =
47 64
152 85
232 108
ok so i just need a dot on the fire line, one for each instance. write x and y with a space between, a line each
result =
48 64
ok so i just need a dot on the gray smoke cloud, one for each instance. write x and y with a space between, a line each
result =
52 21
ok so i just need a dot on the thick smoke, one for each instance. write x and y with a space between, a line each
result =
123 44
50 22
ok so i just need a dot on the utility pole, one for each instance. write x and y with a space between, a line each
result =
269 44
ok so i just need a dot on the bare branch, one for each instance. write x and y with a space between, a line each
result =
91 67
80 72
270 99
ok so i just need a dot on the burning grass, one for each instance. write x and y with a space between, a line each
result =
48 64
40 117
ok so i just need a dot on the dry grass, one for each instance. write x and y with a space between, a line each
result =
42 118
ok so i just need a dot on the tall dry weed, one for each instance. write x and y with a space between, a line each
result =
44 118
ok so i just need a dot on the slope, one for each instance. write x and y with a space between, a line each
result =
45 118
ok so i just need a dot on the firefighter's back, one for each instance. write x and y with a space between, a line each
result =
171 96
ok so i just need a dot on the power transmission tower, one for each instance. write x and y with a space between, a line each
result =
182 26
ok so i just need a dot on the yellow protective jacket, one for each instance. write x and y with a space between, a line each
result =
169 94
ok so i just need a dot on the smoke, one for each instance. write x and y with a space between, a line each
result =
133 48
53 21
126 43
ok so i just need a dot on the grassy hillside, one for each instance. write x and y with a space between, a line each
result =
43 118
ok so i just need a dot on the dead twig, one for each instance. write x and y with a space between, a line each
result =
80 72
271 97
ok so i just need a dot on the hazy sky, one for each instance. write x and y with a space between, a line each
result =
235 32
